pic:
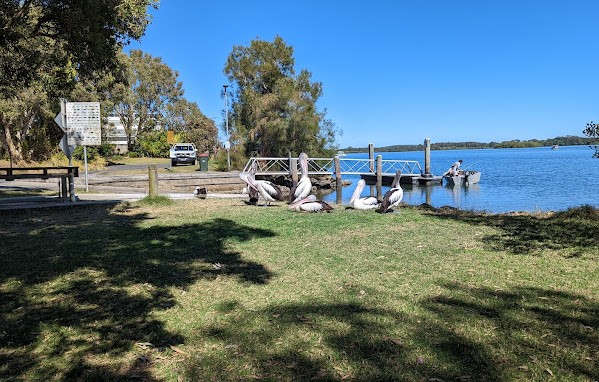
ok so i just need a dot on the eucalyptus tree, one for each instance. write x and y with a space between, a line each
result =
46 46
186 118
274 110
141 101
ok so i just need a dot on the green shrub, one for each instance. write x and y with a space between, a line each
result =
106 150
157 200
92 153
152 144
219 161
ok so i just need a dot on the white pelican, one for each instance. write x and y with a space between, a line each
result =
392 197
366 203
310 204
268 190
304 186
252 192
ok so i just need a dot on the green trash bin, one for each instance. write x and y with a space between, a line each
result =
203 162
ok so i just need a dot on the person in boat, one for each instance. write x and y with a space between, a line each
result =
454 169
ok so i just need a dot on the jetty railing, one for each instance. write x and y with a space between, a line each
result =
326 166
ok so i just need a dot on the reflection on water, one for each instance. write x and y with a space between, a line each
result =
512 179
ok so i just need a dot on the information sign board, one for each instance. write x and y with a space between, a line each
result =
83 123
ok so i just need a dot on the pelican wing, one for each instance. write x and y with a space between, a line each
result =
367 203
370 201
391 199
272 189
317 206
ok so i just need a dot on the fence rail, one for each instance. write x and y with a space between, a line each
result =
326 166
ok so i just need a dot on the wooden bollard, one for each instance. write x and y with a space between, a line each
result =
153 180
338 181
379 177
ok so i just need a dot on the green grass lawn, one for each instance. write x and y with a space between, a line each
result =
218 290
181 168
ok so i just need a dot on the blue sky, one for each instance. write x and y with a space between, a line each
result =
396 72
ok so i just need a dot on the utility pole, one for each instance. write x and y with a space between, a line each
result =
228 143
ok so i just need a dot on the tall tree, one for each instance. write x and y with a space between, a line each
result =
27 114
186 118
274 111
141 101
592 131
47 45
83 35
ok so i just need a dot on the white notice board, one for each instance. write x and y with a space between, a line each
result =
83 123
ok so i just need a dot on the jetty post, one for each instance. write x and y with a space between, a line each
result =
371 164
293 173
293 170
338 182
379 177
427 158
153 180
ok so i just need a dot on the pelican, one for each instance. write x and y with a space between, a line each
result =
200 192
303 188
268 190
393 196
252 192
366 203
310 204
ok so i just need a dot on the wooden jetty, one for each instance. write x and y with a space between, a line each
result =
417 180
375 171
420 177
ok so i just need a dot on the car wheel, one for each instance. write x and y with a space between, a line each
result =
193 163
173 163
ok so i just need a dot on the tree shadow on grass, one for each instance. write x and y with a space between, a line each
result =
79 287
528 333
293 342
573 232
461 334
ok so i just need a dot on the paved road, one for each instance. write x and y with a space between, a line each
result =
29 202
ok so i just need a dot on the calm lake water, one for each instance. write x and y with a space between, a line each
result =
531 179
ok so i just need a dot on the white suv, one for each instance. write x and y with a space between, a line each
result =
183 153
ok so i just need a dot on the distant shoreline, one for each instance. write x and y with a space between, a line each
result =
516 143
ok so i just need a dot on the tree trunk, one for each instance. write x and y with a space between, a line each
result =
8 143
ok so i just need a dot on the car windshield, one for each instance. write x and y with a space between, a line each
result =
182 148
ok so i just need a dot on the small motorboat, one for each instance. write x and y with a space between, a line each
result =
464 178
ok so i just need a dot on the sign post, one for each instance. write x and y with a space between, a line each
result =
83 128
61 121
228 142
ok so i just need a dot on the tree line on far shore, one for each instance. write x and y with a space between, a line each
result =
569 140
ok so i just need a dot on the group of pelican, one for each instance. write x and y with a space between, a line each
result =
300 198
390 202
